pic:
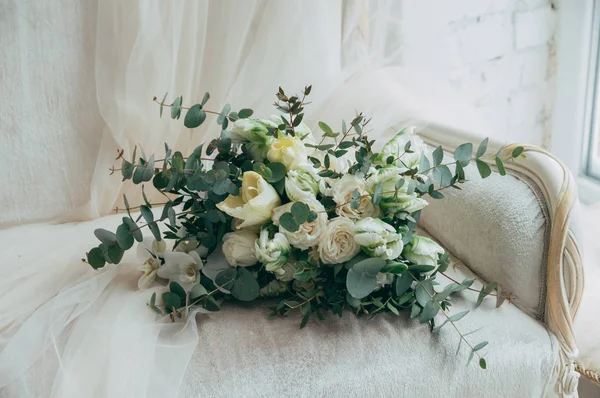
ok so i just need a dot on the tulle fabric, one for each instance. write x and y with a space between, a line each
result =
68 331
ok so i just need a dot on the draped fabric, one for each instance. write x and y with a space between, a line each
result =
66 330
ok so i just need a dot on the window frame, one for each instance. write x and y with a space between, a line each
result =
577 103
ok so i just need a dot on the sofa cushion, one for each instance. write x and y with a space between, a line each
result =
244 353
499 227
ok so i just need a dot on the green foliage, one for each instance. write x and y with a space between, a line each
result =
195 183
194 117
362 277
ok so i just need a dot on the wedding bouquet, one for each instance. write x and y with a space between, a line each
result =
317 225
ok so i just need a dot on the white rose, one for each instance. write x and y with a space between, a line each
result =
395 148
422 251
342 191
255 204
337 243
378 238
238 248
290 151
253 134
309 233
182 268
273 253
302 183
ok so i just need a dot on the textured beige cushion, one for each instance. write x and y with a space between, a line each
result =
243 353
498 227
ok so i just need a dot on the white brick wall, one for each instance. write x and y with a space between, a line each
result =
498 54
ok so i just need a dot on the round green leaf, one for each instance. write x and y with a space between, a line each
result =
105 236
300 211
194 117
361 279
115 253
246 286
484 168
245 113
198 291
124 237
171 301
277 171
176 288
288 222
95 258
133 229
225 280
463 152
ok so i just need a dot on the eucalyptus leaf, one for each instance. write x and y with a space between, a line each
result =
194 117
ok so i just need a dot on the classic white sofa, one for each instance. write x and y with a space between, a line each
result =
519 230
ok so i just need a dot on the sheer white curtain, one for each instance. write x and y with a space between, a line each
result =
94 338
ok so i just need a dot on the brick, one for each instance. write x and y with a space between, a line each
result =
534 28
534 66
491 37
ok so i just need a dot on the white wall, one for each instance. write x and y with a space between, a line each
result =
499 54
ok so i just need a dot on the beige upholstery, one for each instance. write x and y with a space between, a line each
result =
500 228
563 263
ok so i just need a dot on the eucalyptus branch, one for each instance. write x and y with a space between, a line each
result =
463 338
155 99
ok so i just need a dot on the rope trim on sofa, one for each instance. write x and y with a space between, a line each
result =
595 377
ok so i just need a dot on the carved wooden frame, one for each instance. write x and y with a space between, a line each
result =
565 277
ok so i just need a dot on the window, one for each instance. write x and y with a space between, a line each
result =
576 126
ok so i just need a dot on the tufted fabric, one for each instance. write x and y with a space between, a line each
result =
498 227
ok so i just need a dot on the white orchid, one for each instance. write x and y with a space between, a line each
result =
149 252
182 268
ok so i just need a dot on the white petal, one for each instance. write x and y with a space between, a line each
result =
146 280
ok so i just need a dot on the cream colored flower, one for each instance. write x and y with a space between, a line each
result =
290 151
342 191
378 238
273 253
149 252
182 268
395 148
238 248
255 204
422 251
253 134
302 182
309 233
337 244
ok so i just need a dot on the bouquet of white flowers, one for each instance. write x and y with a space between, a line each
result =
317 226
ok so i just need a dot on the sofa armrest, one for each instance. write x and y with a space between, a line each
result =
520 231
